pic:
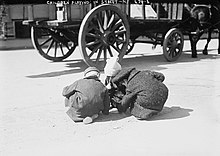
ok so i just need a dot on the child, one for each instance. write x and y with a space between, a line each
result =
143 91
87 97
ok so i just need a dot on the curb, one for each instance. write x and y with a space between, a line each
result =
14 44
16 48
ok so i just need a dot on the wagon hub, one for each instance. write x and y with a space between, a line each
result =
108 38
174 43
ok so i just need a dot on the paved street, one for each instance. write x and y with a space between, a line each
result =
33 119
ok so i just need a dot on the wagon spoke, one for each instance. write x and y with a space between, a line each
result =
116 48
94 50
92 26
120 32
108 14
172 50
99 21
99 54
176 36
120 41
110 51
45 34
175 53
117 25
46 41
92 35
179 47
110 23
55 50
92 43
170 53
105 20
50 46
105 54
61 48
67 46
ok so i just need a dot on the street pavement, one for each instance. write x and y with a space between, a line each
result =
33 118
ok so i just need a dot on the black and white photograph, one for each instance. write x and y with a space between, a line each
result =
110 77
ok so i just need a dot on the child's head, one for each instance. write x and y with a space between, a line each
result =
91 71
112 67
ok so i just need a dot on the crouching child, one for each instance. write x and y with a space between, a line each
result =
87 97
143 92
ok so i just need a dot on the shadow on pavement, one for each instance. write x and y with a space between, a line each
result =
113 116
167 113
75 66
141 62
174 112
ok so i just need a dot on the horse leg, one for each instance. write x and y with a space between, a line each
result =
193 42
205 51
219 41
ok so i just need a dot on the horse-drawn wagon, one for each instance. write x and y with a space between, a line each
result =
106 30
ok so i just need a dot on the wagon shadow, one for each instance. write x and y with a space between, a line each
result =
75 66
168 113
141 61
157 62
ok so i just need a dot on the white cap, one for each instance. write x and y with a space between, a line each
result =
112 66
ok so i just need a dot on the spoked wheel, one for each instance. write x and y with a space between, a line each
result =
52 44
104 33
173 44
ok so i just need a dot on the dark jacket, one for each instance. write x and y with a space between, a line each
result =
86 97
144 89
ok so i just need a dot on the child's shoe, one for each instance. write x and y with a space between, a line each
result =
89 120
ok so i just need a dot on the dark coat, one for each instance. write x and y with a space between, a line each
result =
86 97
144 91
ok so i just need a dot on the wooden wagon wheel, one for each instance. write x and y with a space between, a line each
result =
104 32
51 44
173 44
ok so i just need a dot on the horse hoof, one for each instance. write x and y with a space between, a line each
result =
194 56
205 52
153 47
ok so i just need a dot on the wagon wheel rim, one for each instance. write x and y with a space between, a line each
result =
104 33
173 44
52 44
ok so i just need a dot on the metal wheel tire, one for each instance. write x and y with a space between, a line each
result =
51 44
104 33
173 44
